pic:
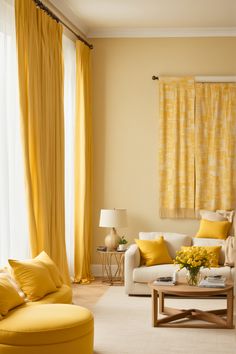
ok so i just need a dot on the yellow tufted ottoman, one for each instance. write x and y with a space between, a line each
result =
47 329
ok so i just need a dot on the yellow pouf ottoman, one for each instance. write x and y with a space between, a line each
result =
47 329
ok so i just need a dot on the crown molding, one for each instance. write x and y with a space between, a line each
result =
64 12
119 32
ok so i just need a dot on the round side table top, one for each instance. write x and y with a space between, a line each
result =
183 289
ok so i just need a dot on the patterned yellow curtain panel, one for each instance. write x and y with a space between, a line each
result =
197 147
176 154
215 142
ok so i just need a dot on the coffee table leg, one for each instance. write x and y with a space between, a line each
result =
154 308
230 309
161 302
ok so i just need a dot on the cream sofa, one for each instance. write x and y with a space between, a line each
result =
137 277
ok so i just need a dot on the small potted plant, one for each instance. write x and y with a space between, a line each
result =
122 244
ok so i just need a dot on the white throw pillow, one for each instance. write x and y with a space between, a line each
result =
173 240
212 215
212 242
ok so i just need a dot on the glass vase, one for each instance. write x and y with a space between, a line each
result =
193 276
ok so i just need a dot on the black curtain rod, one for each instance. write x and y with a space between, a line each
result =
155 77
40 5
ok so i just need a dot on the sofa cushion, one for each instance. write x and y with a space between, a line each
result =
219 215
147 274
9 297
52 268
62 296
211 242
33 277
174 241
224 271
45 324
154 251
7 272
213 229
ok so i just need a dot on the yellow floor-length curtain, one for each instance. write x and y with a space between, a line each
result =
176 154
215 141
83 166
39 42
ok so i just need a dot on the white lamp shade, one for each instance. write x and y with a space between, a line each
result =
113 218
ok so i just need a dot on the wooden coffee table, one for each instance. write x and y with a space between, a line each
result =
222 318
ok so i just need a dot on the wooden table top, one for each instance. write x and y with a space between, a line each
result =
183 289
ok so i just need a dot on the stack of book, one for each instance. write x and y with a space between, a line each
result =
165 281
214 281
101 248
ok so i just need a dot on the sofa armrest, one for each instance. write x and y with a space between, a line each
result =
132 260
132 256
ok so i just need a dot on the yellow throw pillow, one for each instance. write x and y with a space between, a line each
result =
9 297
213 229
213 253
52 268
154 251
7 273
33 277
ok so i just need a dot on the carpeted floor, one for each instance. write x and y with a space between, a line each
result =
123 326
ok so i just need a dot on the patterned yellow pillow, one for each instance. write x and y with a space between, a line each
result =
154 251
213 229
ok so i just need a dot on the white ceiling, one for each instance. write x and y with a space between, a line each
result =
139 18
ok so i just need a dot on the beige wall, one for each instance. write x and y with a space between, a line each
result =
125 113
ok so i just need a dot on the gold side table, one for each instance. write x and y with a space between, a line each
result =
110 259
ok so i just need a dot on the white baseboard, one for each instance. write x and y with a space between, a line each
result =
97 269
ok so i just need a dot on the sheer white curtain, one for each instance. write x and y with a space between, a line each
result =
14 237
69 108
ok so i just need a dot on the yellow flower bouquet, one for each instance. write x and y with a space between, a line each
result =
193 258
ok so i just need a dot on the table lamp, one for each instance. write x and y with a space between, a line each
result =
112 218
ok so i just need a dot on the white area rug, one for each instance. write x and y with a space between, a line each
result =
123 326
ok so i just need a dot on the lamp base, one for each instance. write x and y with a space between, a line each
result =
112 240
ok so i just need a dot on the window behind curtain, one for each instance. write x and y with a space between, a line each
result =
14 236
69 108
